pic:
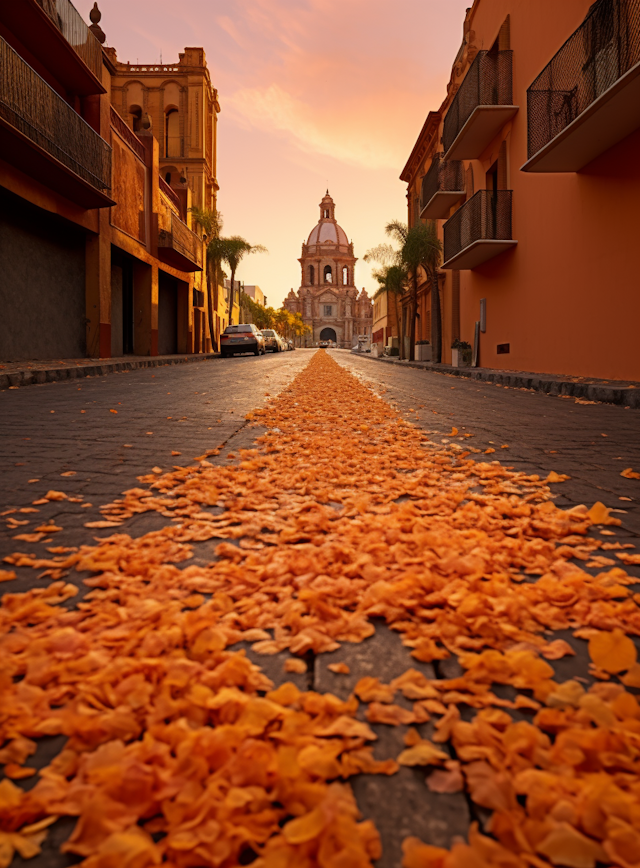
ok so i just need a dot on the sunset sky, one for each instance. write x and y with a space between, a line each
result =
313 93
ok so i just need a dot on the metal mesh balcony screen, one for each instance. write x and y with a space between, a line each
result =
182 239
487 82
486 216
70 23
31 106
596 55
442 176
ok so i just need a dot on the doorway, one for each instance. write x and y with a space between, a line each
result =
167 315
328 335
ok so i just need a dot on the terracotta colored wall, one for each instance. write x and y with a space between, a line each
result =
567 299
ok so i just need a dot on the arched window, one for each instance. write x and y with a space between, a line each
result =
172 133
345 276
312 274
136 117
326 213
328 274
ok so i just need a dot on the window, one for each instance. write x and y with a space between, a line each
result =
312 274
326 213
328 310
136 117
345 276
328 274
172 133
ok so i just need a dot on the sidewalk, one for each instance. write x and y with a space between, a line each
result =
26 373
586 388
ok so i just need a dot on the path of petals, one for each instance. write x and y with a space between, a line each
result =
179 751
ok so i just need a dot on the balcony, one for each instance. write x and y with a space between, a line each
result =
55 33
442 188
479 230
41 135
481 107
587 99
179 246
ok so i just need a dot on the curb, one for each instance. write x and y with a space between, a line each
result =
627 396
29 377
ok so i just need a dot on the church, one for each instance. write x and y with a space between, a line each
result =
328 300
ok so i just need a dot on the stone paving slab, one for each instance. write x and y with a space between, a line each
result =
15 374
588 388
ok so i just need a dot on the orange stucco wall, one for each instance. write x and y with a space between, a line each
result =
567 298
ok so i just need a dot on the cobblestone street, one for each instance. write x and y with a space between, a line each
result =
92 439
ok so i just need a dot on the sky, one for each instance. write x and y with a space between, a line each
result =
314 94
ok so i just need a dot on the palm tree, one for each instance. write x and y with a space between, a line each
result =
392 279
210 221
423 249
391 257
232 251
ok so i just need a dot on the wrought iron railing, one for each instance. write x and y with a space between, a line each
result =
594 57
32 107
487 82
181 239
126 133
169 192
443 176
70 23
486 216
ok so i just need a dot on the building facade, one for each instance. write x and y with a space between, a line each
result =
98 248
530 169
328 300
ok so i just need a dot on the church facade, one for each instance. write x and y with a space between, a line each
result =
328 300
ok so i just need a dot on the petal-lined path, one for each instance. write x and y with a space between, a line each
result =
467 644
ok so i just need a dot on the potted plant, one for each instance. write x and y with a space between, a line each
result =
460 354
423 351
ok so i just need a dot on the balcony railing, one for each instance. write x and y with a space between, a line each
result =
442 187
169 192
35 110
125 132
72 26
179 246
597 68
482 105
479 230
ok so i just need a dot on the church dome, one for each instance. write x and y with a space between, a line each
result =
327 229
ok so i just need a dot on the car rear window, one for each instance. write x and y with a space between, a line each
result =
269 333
235 329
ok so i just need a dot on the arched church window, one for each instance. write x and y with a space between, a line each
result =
312 274
326 213
172 133
328 274
345 276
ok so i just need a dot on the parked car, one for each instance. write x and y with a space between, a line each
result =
243 338
272 341
290 345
